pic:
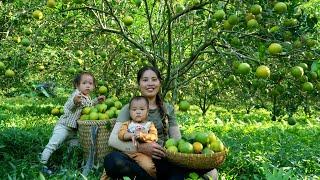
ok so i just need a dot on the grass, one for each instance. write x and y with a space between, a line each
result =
259 148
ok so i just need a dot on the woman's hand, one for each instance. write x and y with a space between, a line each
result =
152 149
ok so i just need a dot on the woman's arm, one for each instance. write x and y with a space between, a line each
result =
174 132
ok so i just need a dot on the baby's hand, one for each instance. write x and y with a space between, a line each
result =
137 134
77 99
101 98
134 141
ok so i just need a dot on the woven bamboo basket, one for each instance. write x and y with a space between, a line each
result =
104 130
197 161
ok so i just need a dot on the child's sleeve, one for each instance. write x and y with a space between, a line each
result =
123 130
152 135
70 105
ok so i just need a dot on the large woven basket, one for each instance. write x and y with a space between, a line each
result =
104 130
197 161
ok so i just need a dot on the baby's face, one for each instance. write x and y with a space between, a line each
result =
86 84
139 110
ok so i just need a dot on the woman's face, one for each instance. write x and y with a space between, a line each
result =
149 84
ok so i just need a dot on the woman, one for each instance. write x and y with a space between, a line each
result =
118 164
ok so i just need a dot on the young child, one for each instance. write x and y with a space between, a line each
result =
66 127
138 129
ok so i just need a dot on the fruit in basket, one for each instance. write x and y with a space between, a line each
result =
202 137
170 142
101 108
109 102
103 116
118 104
212 137
84 117
180 141
207 150
197 147
94 116
173 149
185 147
216 146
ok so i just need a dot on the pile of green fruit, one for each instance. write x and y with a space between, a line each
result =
196 143
107 110
57 111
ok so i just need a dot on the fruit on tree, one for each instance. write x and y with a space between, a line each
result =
303 65
249 16
103 90
29 49
103 54
79 53
311 42
179 8
233 19
219 15
17 39
297 71
304 79
78 1
37 14
2 66
127 20
307 86
291 121
256 9
244 68
290 22
9 73
25 42
313 75
41 67
184 105
275 48
280 7
27 31
51 3
252 24
138 2
227 25
263 71
274 29
297 44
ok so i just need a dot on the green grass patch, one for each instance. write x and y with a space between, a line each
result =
259 148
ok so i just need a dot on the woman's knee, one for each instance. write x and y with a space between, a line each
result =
114 160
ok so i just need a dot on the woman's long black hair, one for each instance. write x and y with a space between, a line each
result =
159 101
